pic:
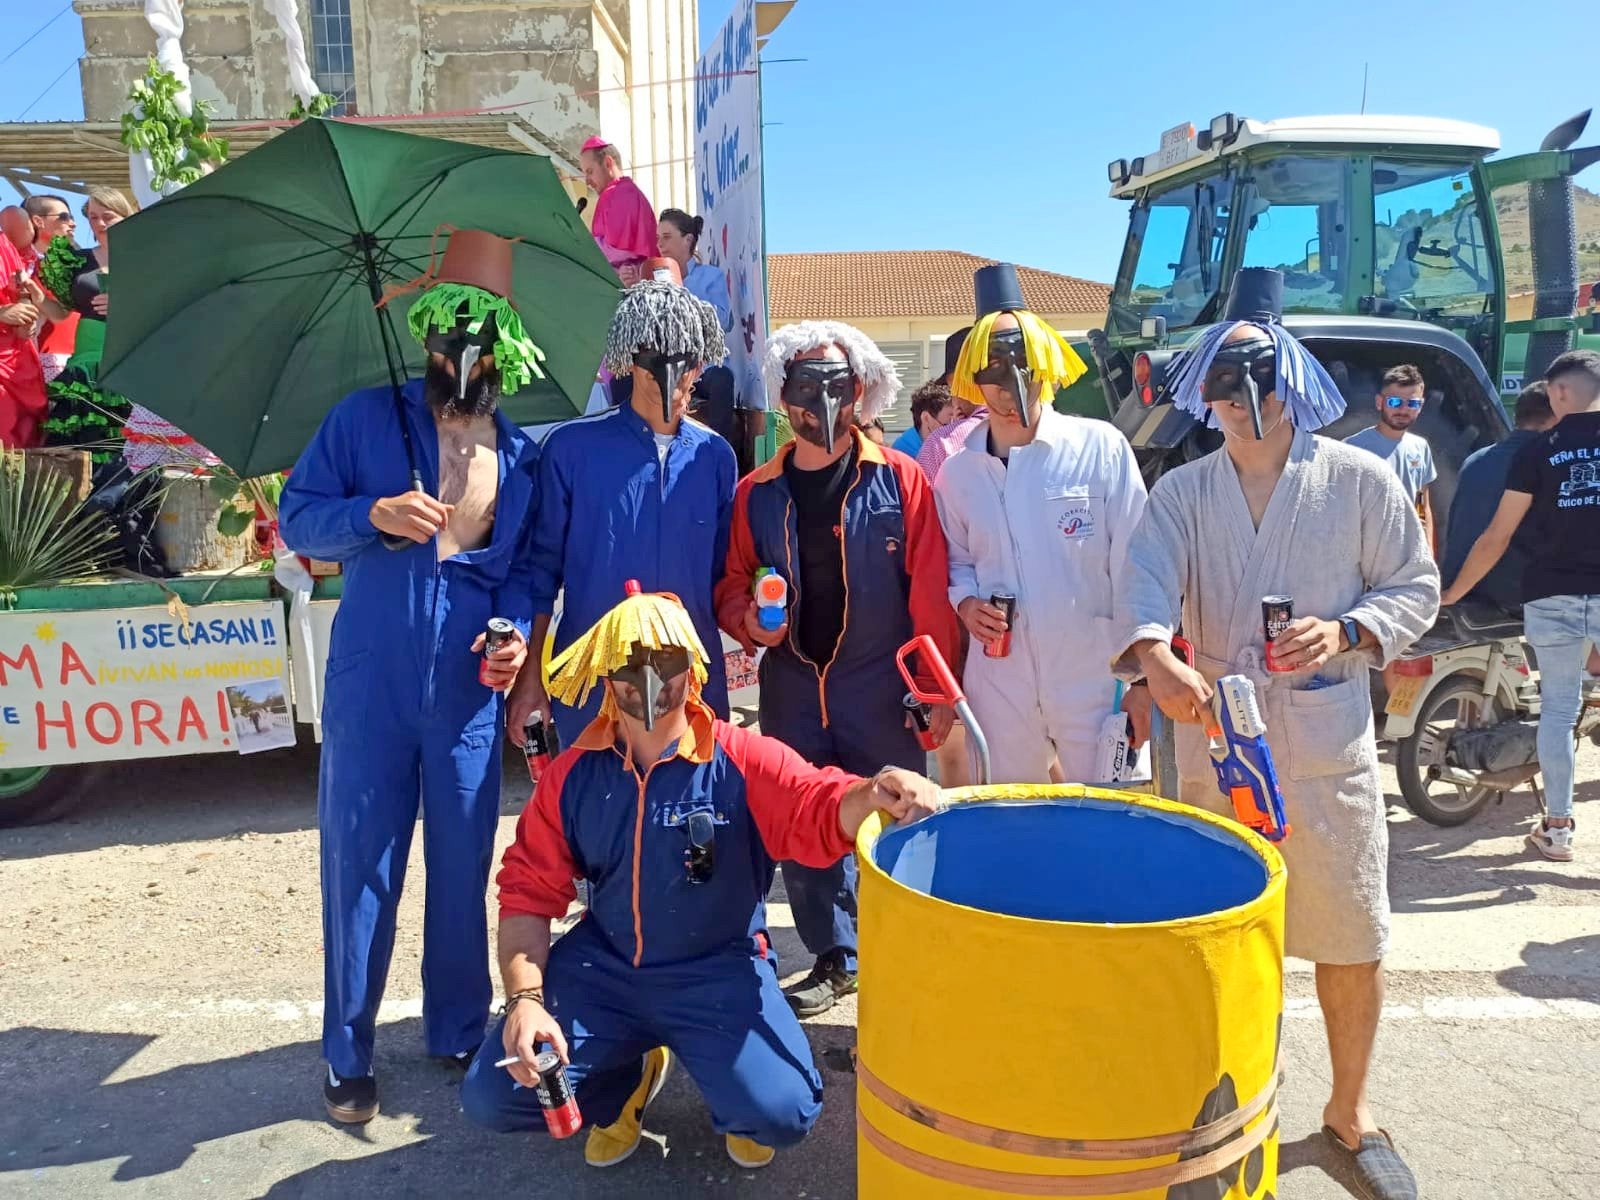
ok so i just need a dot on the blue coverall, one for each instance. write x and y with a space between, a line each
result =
659 960
403 712
847 712
609 512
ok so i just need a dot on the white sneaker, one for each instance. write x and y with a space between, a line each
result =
1552 841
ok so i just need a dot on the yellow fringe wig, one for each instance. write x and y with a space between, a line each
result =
1050 358
655 620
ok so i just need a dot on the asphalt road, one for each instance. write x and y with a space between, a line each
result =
160 972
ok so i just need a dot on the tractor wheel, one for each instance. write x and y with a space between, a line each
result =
38 795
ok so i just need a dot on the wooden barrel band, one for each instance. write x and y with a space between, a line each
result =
1186 1141
1119 1183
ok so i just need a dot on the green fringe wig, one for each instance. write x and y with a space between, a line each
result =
666 318
60 263
515 356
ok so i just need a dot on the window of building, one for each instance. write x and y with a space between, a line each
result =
333 55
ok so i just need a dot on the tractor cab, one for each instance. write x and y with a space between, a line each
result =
1370 216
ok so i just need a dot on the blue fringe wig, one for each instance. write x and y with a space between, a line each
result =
1310 397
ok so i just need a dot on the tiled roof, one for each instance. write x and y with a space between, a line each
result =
908 283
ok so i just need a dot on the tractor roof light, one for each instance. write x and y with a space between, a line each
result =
1224 129
1117 170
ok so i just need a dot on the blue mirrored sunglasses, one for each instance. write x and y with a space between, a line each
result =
1403 401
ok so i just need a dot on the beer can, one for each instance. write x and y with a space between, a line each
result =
1006 602
1276 614
540 744
918 711
499 632
556 1097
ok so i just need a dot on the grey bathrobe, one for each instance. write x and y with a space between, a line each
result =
1338 536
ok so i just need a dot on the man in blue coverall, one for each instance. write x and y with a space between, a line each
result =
852 529
674 818
405 711
641 492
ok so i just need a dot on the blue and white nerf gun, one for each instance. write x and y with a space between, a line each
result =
1236 738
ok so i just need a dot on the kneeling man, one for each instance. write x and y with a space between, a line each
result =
675 819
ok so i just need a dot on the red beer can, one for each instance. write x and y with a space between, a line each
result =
539 744
499 632
1006 602
556 1097
918 711
1276 614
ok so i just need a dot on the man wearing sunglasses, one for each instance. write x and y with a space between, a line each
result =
641 491
674 820
1399 403
852 529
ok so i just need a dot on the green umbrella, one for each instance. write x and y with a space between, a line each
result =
244 307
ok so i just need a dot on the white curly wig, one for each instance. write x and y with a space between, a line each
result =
879 380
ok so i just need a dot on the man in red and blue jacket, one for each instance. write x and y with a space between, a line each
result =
674 818
853 530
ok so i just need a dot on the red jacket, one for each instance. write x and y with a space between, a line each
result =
595 816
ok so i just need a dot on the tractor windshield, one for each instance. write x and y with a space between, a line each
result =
1172 263
1296 214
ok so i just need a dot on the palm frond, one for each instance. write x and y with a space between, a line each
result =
45 537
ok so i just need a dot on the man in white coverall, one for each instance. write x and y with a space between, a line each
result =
1041 506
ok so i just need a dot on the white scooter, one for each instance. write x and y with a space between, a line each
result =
1464 714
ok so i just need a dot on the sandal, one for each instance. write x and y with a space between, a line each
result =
1380 1173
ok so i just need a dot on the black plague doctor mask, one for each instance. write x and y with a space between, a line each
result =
668 371
821 386
1008 369
463 347
1242 373
649 672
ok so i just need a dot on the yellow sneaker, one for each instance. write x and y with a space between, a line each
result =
613 1144
752 1156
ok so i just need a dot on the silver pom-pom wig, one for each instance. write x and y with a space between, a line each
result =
880 382
666 318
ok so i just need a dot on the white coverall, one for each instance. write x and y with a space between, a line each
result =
1051 526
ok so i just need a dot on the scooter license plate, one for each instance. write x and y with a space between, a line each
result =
1404 697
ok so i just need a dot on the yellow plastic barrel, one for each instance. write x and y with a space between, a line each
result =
1067 991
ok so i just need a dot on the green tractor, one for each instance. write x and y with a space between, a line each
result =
1391 233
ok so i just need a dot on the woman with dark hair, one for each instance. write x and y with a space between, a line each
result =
676 237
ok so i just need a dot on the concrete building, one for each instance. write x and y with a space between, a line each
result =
909 301
556 72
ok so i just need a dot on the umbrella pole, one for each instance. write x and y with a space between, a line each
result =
391 354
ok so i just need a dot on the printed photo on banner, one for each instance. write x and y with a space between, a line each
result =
261 716
727 131
126 683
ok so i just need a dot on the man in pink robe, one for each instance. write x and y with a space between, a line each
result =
624 223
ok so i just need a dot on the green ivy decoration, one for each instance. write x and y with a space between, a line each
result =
321 104
179 146
61 263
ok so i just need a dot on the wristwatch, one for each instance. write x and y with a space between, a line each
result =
1352 632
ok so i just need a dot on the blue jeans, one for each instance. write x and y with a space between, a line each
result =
823 900
1560 629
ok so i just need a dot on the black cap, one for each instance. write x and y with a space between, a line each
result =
1256 295
952 353
996 289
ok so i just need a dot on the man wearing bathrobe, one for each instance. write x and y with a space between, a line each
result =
1280 511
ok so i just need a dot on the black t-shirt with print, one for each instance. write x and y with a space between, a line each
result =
1561 471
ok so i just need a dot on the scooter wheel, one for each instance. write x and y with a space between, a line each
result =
1457 703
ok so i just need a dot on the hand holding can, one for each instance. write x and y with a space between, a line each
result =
1276 613
1000 647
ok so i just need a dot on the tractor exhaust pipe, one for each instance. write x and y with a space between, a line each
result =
1553 227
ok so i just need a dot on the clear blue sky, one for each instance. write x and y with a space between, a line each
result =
987 127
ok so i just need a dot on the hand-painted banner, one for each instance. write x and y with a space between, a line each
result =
727 168
137 683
